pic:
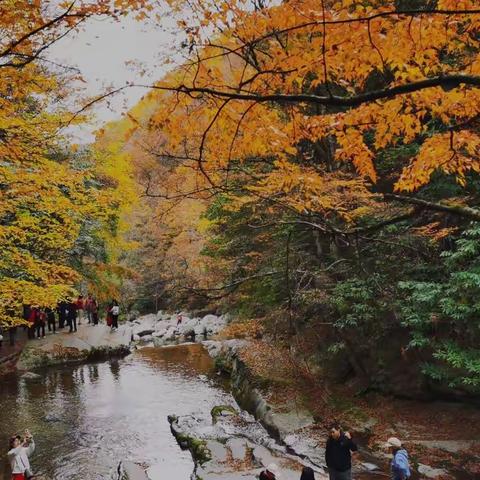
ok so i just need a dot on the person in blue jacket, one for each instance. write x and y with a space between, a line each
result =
400 467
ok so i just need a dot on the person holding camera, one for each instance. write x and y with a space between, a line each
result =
18 455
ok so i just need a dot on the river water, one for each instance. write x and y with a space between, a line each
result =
88 418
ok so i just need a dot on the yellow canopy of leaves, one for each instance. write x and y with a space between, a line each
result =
218 110
48 192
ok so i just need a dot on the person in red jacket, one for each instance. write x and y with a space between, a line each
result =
32 321
40 321
270 473
109 314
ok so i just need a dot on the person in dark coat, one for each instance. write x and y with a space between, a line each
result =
338 454
72 316
94 311
62 314
307 474
114 310
50 319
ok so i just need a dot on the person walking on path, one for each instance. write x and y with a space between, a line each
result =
72 316
114 312
80 309
338 454
399 466
40 322
109 314
307 474
94 311
18 456
50 320
62 314
88 304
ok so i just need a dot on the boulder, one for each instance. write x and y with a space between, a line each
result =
131 471
31 376
159 333
143 333
238 448
431 472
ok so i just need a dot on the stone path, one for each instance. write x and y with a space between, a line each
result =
87 337
65 347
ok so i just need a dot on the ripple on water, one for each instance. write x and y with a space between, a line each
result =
89 417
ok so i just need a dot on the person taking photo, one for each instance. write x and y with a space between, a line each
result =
20 451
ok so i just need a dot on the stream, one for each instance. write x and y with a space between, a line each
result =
88 418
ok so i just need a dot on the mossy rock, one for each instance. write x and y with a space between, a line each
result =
223 365
198 448
218 410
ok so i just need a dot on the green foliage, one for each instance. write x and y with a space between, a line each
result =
444 316
358 303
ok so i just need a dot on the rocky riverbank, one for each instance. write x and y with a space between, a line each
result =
89 343
229 443
430 437
286 423
167 329
271 417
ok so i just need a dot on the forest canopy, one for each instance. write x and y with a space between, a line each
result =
312 164
59 203
329 153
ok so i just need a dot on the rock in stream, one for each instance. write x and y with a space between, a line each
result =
229 444
164 328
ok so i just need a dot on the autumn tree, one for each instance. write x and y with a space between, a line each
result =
54 199
328 139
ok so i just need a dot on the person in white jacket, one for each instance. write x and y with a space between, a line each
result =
18 455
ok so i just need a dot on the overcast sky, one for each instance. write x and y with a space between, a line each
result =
102 52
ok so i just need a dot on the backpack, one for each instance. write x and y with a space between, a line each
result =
115 310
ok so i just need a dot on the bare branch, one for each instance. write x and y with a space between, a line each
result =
446 81
45 26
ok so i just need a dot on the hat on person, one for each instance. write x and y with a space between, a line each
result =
273 468
394 442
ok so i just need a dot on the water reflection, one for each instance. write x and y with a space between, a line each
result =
93 373
87 418
115 369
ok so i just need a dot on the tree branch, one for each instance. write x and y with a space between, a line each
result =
445 81
368 18
66 14
466 212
